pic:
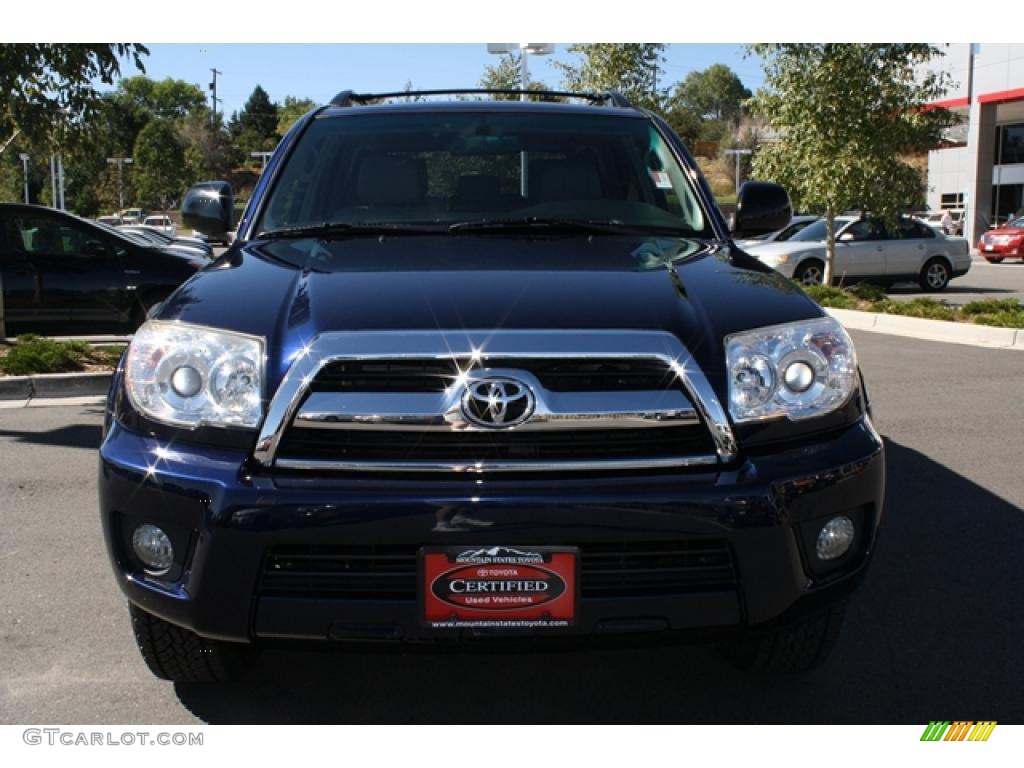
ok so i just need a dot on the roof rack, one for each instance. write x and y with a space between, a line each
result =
351 98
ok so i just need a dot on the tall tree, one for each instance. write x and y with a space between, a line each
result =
631 68
159 165
50 89
259 115
846 114
291 110
715 93
507 75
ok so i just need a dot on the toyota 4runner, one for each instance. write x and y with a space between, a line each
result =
486 370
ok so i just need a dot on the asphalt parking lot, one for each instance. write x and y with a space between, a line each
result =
934 633
983 281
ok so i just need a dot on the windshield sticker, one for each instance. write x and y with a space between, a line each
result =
661 179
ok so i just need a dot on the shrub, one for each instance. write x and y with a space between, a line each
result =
33 354
829 296
868 292
992 306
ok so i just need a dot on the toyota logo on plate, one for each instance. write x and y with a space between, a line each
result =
497 402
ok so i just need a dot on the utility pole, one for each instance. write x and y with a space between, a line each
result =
60 182
120 162
24 164
213 94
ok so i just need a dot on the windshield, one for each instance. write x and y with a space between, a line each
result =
818 231
443 168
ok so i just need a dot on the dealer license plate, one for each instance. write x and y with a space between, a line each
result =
499 587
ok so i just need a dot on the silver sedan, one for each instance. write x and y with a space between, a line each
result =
867 251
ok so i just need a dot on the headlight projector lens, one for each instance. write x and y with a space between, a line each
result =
186 381
799 377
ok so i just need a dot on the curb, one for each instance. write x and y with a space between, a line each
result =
931 330
54 386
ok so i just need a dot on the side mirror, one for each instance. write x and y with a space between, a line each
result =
208 207
761 208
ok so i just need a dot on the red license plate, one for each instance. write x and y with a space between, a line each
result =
499 587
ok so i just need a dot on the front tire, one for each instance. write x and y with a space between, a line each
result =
935 275
810 272
174 653
791 649
994 259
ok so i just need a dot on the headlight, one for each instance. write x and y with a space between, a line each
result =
797 370
188 375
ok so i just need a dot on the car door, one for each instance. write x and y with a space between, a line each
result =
79 280
20 281
861 250
906 255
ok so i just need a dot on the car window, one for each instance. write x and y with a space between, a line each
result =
455 166
792 230
41 234
816 232
864 230
911 229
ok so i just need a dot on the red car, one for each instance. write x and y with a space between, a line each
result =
1007 242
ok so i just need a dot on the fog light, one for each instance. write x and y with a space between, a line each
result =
834 538
153 548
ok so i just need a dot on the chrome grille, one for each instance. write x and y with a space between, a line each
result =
399 402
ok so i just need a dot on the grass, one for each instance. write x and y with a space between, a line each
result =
32 354
1001 313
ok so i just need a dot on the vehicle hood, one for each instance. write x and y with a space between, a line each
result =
290 291
1004 232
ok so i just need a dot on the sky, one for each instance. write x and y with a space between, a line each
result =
319 71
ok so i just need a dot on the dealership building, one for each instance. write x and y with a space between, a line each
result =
981 169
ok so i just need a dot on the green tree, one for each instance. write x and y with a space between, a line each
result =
630 68
257 118
507 74
49 90
846 114
290 111
159 165
715 93
207 147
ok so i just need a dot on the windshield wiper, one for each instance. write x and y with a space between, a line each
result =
534 223
328 228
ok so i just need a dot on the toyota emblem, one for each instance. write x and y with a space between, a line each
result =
497 402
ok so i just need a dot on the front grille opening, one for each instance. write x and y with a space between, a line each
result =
511 445
617 569
563 375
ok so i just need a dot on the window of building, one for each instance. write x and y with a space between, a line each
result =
1010 144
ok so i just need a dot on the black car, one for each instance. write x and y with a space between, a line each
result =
63 275
479 371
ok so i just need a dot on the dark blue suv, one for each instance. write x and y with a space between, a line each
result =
484 370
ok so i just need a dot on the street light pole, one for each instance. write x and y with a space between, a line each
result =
738 153
24 164
524 49
120 162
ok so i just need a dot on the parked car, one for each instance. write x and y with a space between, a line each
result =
156 237
934 220
487 370
65 275
796 224
1007 242
162 223
132 215
111 221
867 252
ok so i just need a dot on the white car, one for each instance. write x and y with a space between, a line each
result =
162 224
865 251
796 224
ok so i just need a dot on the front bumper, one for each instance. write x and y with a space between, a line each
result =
224 520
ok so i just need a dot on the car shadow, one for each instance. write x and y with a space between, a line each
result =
934 632
86 436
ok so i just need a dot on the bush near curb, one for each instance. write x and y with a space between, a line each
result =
33 354
1000 313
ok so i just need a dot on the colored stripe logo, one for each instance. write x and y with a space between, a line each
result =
959 730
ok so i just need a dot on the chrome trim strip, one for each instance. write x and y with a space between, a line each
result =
441 411
480 345
481 467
